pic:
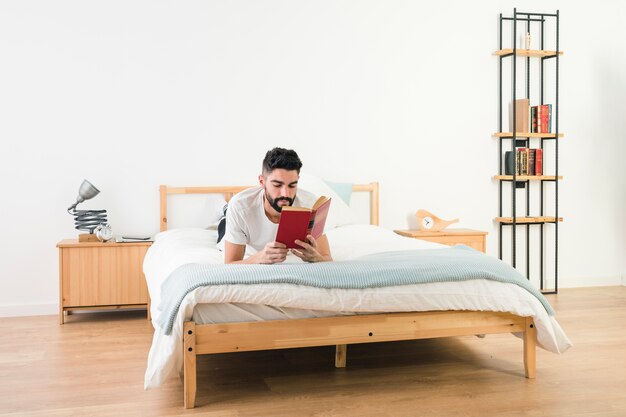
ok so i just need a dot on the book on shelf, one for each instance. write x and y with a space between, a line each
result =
509 162
539 161
525 161
523 168
549 119
522 108
297 222
541 118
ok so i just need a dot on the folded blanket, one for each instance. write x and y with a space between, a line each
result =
459 263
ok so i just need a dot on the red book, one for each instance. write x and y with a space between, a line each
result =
298 222
538 161
549 117
544 119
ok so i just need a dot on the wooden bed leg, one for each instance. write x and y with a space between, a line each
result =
530 344
189 346
341 354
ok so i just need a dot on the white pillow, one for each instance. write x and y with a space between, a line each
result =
215 210
340 213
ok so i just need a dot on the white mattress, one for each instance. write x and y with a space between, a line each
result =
231 303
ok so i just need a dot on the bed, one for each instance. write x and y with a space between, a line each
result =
238 317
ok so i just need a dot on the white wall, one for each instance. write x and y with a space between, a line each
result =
133 94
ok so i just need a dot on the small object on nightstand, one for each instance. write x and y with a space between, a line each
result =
428 221
128 239
104 232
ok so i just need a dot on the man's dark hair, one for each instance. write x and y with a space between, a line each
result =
281 158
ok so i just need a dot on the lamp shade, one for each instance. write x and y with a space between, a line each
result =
86 191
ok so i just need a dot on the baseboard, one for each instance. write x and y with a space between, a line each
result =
578 282
19 310
24 310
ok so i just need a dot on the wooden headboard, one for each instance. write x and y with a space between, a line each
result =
230 190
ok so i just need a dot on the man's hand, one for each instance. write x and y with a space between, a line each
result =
272 253
310 251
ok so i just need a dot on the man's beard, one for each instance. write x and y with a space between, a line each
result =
274 201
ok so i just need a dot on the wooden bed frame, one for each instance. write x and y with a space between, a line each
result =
340 331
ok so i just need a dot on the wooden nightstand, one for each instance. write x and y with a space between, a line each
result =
100 276
472 238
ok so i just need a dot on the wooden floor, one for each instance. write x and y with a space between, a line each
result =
94 366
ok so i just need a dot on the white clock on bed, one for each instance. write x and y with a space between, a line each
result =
429 222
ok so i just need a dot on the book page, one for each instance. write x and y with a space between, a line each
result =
319 219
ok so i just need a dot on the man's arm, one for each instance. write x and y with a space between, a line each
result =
233 253
313 250
274 252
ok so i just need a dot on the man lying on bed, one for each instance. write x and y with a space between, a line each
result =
252 216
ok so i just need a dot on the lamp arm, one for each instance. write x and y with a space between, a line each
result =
87 220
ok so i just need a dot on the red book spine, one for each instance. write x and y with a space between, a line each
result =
550 118
538 161
544 119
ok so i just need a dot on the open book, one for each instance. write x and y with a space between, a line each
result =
298 222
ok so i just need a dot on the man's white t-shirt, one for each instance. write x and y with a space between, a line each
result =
246 221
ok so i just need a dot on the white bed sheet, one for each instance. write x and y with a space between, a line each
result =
231 303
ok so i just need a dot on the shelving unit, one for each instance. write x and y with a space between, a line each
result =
535 23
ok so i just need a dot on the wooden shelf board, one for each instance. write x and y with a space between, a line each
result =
526 135
445 232
527 177
527 220
527 52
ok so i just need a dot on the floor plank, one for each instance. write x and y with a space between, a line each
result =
94 365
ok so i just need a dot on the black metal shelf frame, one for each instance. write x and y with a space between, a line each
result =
529 17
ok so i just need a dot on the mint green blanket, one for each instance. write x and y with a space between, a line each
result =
459 263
